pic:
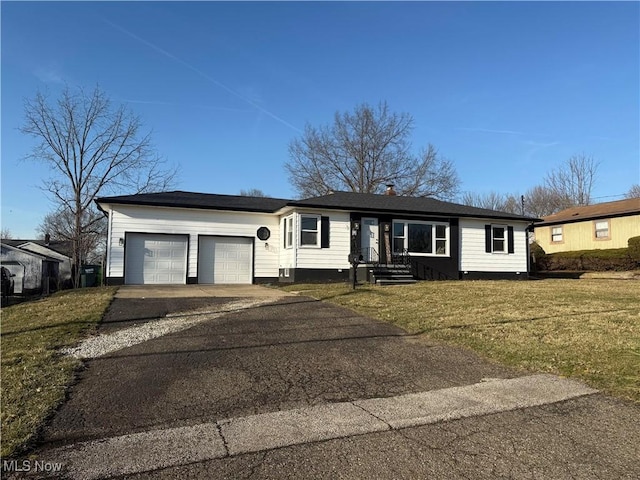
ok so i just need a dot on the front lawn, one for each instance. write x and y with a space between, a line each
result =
588 329
34 375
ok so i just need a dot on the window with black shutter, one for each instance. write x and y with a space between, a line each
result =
498 239
324 232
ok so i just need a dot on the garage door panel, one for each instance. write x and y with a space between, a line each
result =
225 260
155 259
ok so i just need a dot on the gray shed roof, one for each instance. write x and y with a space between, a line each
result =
62 247
5 244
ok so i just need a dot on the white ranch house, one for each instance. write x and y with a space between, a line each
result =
188 238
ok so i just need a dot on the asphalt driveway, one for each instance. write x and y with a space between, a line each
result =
289 353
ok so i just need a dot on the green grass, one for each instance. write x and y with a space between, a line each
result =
589 329
34 374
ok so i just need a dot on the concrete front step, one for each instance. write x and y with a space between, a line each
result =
382 273
387 271
392 275
395 281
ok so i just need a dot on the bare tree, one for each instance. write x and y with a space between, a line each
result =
59 226
540 201
513 204
5 234
491 200
573 182
364 150
634 191
91 148
500 202
567 186
253 192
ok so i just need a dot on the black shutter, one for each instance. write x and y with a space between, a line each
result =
324 232
510 240
487 238
284 233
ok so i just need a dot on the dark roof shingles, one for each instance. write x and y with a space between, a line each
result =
200 200
624 207
337 200
396 203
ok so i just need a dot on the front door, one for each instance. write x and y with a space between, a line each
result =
370 248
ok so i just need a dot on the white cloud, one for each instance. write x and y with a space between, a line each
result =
185 105
204 75
540 145
49 75
490 130
535 147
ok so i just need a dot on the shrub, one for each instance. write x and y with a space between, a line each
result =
536 250
615 259
634 248
537 253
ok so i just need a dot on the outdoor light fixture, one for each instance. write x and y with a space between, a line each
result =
121 241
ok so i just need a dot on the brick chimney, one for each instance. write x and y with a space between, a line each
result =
390 190
47 239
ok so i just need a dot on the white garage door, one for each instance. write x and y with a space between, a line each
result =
225 260
155 259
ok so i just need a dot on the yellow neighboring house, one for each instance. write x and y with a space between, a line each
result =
600 226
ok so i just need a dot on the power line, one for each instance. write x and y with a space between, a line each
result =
610 196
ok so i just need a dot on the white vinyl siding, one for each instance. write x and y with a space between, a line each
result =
473 255
191 222
334 257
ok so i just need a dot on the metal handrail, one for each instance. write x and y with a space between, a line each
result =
367 255
401 258
370 255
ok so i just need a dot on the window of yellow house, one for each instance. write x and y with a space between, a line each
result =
601 229
556 234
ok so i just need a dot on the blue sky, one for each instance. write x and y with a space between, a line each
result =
506 90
